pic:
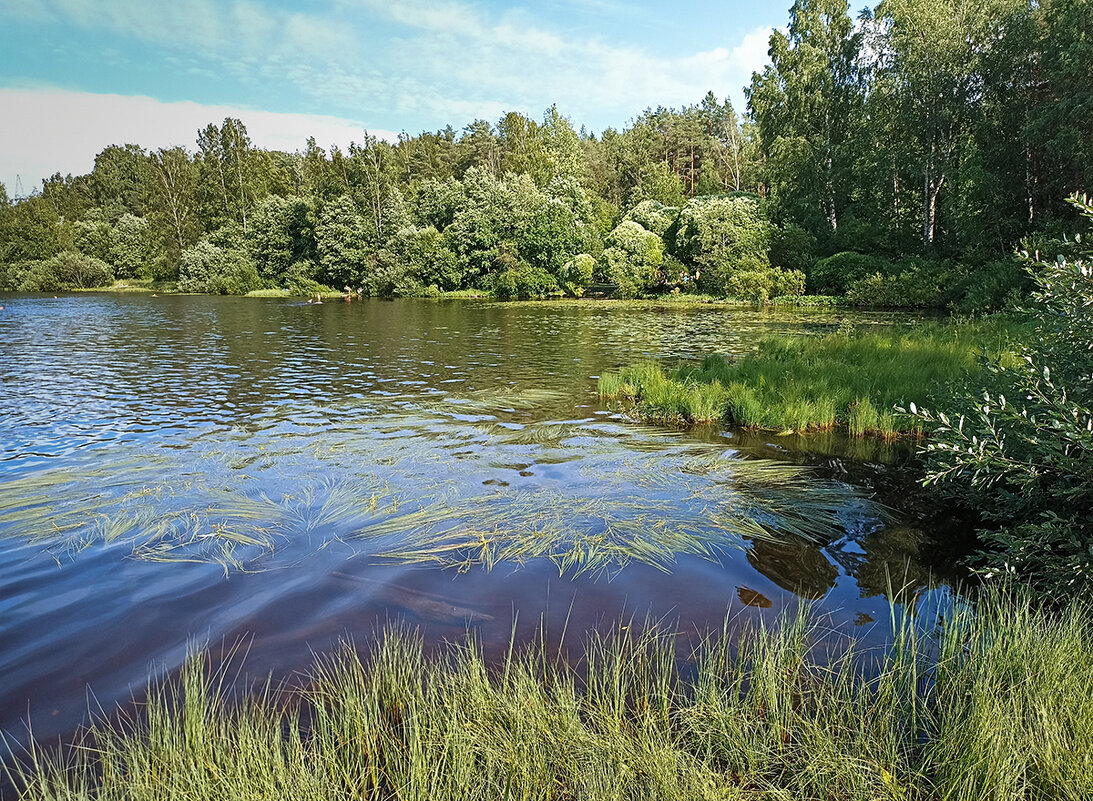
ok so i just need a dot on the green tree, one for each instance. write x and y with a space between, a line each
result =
131 247
342 244
808 105
934 74
216 270
172 200
722 236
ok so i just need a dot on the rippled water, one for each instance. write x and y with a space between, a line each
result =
184 468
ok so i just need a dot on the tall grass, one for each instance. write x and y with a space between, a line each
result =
994 704
848 380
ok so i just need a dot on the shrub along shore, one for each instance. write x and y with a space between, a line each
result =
996 703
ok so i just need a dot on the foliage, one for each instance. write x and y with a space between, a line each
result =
282 234
67 270
835 274
515 278
653 216
426 255
217 270
632 259
131 248
576 275
341 243
1021 454
793 248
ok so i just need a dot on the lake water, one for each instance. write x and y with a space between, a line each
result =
195 469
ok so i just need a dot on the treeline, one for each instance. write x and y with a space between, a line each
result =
900 158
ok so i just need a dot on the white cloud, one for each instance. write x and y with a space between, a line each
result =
413 64
55 130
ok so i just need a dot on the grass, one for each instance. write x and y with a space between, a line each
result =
134 286
844 380
809 301
268 293
995 703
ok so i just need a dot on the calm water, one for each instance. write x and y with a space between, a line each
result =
184 469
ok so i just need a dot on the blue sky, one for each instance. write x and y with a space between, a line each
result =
77 75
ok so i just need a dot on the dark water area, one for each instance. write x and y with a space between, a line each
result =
183 470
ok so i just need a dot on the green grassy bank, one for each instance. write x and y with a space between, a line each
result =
845 380
997 703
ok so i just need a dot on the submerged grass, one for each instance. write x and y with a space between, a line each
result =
994 703
799 384
453 481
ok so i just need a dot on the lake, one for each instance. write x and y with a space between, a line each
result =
178 470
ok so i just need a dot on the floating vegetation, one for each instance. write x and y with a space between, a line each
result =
414 485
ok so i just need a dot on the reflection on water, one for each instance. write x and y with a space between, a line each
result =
214 467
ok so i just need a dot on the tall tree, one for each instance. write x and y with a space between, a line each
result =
172 199
807 104
937 50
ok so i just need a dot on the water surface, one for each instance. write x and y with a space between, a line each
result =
183 469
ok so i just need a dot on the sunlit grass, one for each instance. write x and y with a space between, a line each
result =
995 703
851 381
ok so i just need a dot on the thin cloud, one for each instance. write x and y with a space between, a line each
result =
433 58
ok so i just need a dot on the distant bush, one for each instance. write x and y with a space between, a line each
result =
576 275
131 247
994 286
300 280
836 274
215 270
653 216
633 259
723 236
388 276
427 257
792 248
762 285
518 279
67 270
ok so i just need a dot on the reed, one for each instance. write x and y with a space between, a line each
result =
996 702
853 381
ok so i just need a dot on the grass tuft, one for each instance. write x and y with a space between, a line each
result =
996 703
802 384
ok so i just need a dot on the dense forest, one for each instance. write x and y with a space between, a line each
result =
902 157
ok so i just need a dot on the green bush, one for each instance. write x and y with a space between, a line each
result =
792 248
653 216
67 270
300 280
723 236
633 259
215 270
912 284
836 274
1021 454
994 286
576 275
518 279
762 285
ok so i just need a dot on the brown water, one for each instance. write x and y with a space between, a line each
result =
184 469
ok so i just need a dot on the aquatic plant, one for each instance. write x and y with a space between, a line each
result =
418 479
852 380
993 703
